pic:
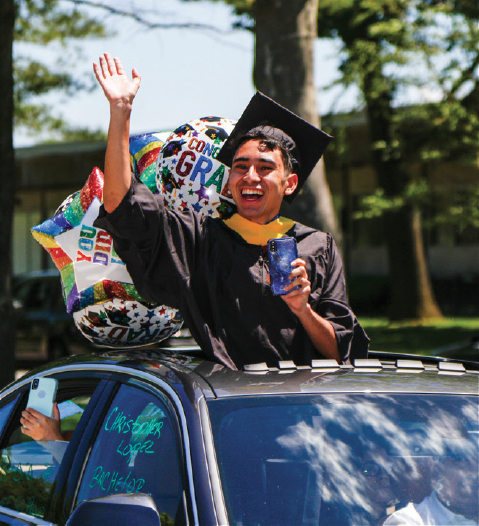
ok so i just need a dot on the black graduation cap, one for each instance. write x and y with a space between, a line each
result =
308 142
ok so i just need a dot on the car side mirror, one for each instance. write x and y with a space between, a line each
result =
125 509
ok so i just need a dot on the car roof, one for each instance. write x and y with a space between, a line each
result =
382 373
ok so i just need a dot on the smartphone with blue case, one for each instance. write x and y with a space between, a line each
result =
281 253
43 392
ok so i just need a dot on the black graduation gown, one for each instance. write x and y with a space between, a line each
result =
218 282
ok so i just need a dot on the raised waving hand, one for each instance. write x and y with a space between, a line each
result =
120 92
116 85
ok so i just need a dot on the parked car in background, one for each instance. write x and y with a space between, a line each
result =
44 330
166 438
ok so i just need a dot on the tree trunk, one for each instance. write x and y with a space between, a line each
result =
412 296
285 33
7 193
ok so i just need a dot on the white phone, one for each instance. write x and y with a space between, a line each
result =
42 395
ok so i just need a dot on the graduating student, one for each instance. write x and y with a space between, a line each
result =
216 271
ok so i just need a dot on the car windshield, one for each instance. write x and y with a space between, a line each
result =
348 459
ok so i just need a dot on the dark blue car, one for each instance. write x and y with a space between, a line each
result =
157 437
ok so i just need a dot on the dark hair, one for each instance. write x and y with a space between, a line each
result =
271 143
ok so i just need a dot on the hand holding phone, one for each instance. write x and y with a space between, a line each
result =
42 395
281 253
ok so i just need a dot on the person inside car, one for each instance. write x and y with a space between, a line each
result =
369 488
455 497
215 271
380 499
54 433
43 428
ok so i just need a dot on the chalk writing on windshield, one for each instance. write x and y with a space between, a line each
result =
119 422
137 435
110 481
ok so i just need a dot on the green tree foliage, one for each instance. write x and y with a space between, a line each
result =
55 23
383 41
388 46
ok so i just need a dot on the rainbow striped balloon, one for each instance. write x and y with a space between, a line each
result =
91 272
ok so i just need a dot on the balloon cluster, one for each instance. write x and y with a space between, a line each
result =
188 174
97 287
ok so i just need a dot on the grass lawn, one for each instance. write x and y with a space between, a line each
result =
418 337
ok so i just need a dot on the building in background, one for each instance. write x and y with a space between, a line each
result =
46 175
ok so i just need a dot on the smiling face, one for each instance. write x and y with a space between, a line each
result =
258 181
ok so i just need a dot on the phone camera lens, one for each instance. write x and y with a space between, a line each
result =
35 383
273 247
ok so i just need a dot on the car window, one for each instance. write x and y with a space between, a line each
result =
35 294
39 293
348 459
6 411
28 468
137 450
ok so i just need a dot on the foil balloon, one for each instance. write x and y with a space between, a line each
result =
188 174
96 283
120 323
144 150
66 203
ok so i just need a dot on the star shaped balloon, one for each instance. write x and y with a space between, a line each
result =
90 270
94 278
